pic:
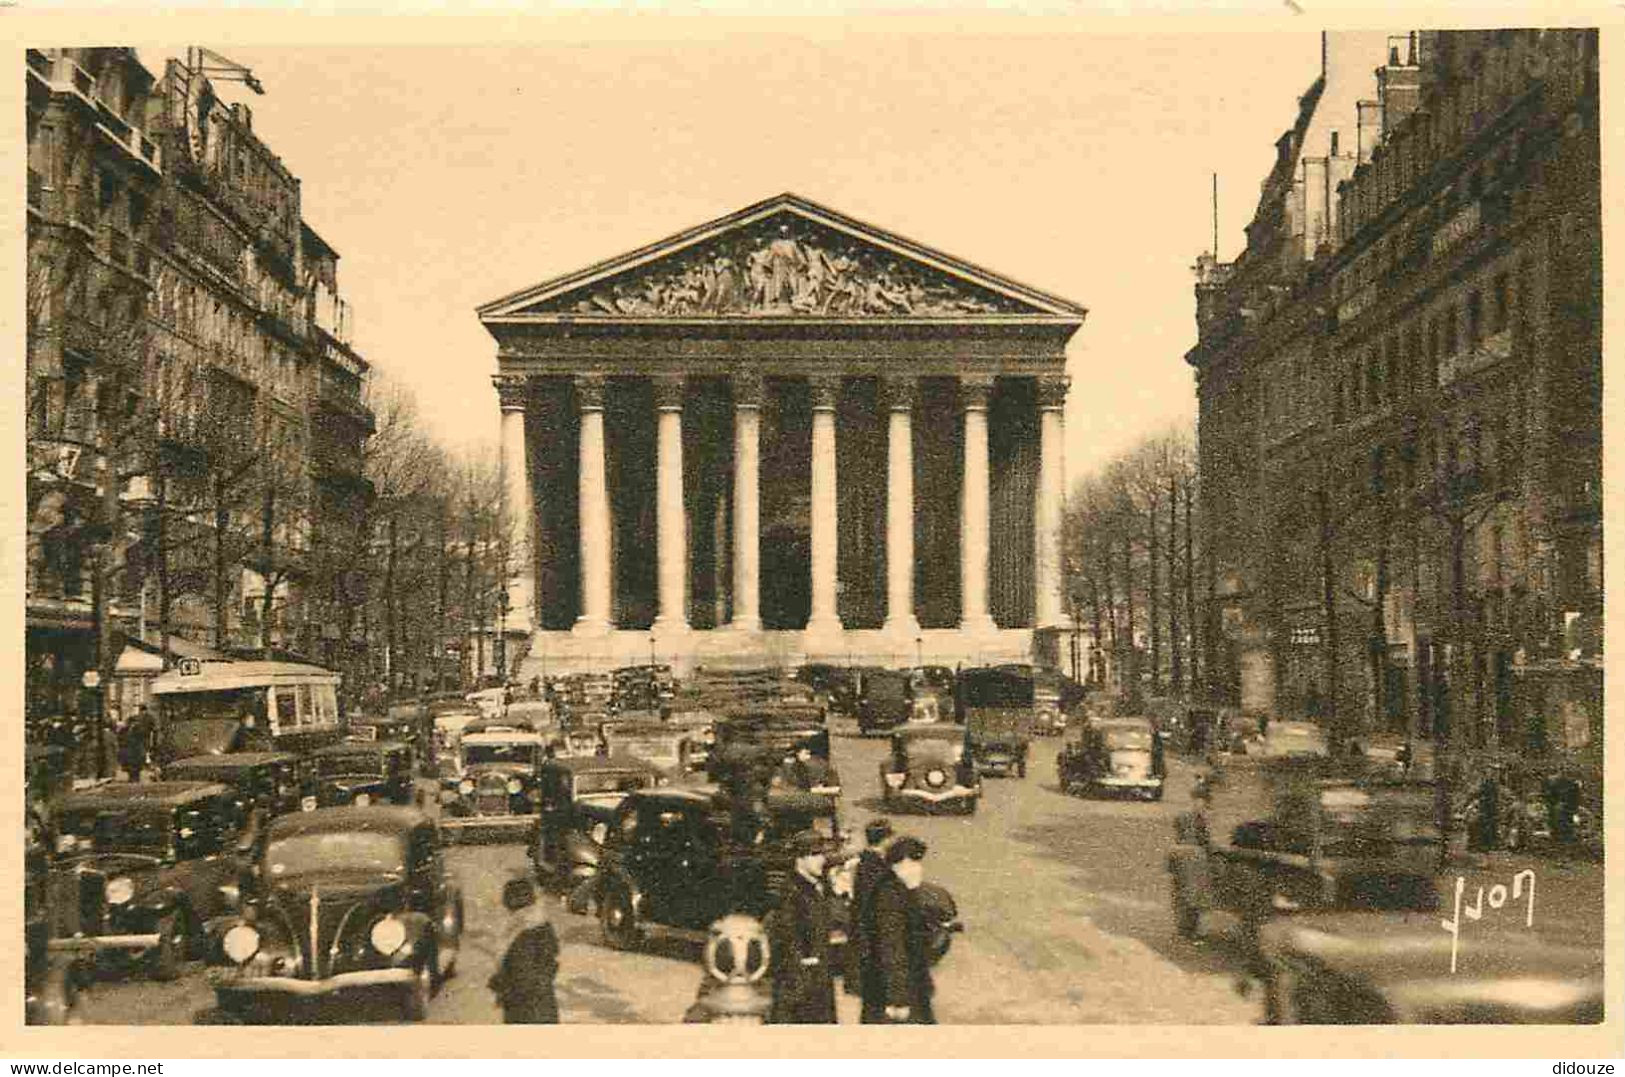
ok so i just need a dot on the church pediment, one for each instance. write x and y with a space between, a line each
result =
782 259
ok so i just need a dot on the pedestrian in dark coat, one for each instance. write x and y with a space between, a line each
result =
137 743
861 967
523 983
901 939
798 941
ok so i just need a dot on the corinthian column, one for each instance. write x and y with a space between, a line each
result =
513 393
595 524
824 620
1050 496
747 392
973 517
900 396
670 520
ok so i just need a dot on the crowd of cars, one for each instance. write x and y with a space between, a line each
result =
304 869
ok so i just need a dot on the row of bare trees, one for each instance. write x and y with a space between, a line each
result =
1132 568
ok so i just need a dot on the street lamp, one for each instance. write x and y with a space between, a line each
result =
919 650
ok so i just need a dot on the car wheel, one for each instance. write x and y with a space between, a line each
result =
174 936
415 1003
1187 918
619 919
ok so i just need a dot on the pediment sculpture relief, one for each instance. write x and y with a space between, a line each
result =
786 269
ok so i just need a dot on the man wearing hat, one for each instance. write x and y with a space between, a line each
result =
523 984
902 986
871 869
798 940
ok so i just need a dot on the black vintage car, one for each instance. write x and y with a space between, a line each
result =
885 700
928 768
678 860
141 868
1114 757
270 782
997 709
578 797
1326 841
489 783
363 772
345 899
773 733
1373 968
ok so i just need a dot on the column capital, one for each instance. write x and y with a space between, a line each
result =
589 392
826 391
901 391
974 390
513 390
1052 391
669 391
747 389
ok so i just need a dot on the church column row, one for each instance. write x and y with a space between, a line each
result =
900 396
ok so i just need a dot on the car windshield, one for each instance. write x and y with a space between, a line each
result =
350 763
478 754
119 831
924 751
611 782
344 850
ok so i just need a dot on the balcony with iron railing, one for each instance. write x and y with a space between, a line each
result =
61 74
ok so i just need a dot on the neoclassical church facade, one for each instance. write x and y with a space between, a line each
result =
783 436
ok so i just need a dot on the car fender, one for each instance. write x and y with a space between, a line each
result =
1192 872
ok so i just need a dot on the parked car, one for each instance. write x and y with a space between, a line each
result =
929 768
884 700
1326 842
363 772
996 705
491 783
577 798
272 782
1373 968
1113 756
140 868
346 899
677 860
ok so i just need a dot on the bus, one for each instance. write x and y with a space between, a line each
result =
202 703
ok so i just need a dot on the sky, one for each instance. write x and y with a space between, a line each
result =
1075 162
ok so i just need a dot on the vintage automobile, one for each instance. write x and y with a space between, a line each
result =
491 783
1290 740
677 860
578 797
1113 757
201 705
272 782
363 772
140 868
345 899
1055 697
577 743
1371 968
1326 840
885 700
768 739
50 981
928 768
996 706
655 742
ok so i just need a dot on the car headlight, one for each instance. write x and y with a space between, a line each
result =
514 785
388 935
241 943
599 832
66 843
362 800
466 786
936 777
896 780
119 890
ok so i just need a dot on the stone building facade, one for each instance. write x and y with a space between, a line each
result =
1400 439
783 435
185 329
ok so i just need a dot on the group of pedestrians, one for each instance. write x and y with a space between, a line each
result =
888 959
